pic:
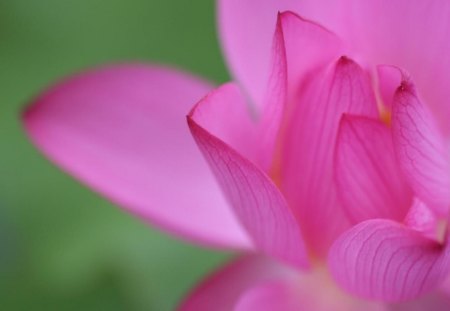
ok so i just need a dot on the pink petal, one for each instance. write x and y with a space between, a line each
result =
369 181
294 36
258 203
436 301
307 46
420 149
414 37
382 259
307 169
221 291
269 296
421 218
225 114
121 130
246 29
445 286
389 78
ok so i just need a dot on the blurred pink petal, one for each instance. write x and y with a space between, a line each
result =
436 301
246 29
302 293
382 259
369 180
122 131
308 148
421 218
222 290
258 203
269 296
445 287
420 149
256 283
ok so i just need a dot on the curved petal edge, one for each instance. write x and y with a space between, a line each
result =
121 130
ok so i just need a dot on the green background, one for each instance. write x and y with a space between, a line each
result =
63 247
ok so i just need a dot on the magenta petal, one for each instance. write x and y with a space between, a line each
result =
307 166
368 178
420 149
382 259
121 130
436 301
257 202
445 286
222 290
294 36
389 78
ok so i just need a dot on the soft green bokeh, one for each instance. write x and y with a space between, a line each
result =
61 246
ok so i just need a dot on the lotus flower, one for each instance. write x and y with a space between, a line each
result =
327 159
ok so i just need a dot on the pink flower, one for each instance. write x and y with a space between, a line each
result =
324 161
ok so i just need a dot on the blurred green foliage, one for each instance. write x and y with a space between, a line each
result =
63 247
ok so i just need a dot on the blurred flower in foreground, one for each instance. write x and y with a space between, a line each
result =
332 165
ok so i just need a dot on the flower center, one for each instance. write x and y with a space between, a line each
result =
318 283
